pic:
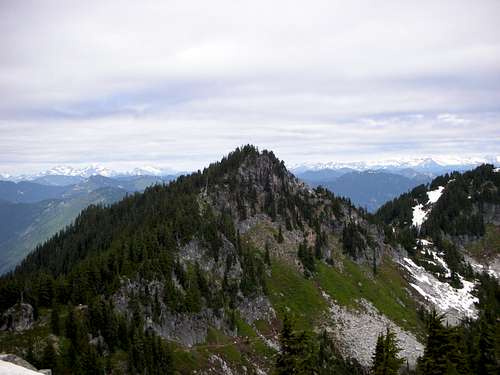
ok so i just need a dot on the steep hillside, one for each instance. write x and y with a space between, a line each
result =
25 225
205 272
450 229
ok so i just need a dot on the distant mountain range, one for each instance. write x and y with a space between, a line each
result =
67 175
434 166
34 207
371 184
218 270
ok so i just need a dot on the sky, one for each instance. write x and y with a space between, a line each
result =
181 83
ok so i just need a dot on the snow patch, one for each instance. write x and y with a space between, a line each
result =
425 242
419 215
455 303
420 211
434 195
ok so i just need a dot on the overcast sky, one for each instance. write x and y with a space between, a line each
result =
180 83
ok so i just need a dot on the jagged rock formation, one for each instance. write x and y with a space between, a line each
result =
17 318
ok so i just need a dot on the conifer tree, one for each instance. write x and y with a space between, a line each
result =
385 358
55 320
434 360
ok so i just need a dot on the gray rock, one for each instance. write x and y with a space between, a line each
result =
357 331
17 318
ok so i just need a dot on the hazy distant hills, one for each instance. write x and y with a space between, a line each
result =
28 192
31 212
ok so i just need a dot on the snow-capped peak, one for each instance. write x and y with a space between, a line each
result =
147 170
91 170
421 164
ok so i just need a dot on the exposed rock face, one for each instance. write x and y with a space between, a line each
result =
194 252
259 308
357 333
491 213
187 329
190 329
17 318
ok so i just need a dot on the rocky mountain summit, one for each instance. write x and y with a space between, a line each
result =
200 274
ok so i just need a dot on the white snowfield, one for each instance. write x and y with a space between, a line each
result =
434 195
455 303
419 215
420 211
8 368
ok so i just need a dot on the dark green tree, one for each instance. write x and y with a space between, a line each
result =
385 358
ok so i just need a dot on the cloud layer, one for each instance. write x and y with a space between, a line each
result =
180 83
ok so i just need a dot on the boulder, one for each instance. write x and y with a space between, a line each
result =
17 318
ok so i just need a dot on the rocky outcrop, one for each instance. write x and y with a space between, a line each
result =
17 318
258 308
184 328
357 331
491 213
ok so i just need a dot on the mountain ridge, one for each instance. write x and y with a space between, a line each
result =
229 252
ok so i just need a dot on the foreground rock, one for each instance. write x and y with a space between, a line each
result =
11 364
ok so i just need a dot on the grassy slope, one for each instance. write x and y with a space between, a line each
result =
386 291
291 293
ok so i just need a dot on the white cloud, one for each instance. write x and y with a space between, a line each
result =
166 79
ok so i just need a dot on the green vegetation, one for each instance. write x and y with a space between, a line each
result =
488 245
386 291
385 359
290 293
72 278
305 353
